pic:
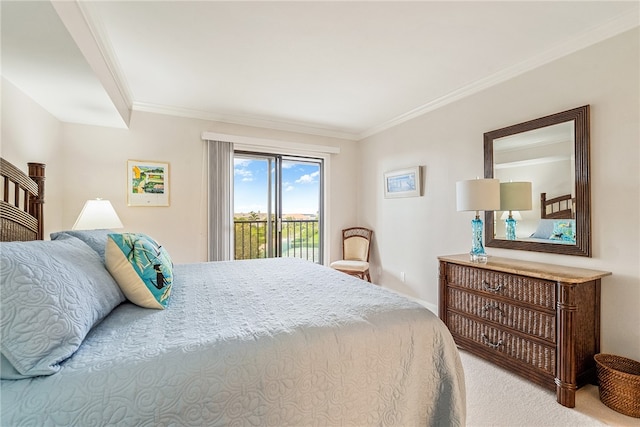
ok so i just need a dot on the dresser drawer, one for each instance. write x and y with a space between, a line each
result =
529 290
501 341
525 320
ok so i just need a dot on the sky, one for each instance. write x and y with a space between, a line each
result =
300 182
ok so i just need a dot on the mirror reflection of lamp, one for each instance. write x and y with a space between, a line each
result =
478 195
516 215
514 196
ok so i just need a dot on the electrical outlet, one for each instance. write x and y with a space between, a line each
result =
402 276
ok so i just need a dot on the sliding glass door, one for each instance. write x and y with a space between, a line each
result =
277 206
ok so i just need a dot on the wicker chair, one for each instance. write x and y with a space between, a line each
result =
356 246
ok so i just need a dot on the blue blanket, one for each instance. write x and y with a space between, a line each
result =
261 342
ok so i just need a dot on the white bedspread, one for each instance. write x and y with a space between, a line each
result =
264 342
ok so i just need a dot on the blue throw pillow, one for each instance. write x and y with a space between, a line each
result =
544 230
142 268
53 293
96 239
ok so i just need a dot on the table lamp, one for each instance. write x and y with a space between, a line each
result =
97 214
478 195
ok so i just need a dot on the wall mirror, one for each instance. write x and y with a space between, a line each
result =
551 153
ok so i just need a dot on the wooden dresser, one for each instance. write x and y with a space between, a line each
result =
541 321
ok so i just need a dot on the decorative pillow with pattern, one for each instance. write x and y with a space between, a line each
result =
142 268
564 230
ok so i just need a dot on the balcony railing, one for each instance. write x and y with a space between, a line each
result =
299 239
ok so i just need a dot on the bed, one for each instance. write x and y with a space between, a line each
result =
557 223
560 207
258 342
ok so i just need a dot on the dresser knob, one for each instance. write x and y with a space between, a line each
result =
488 287
492 306
488 342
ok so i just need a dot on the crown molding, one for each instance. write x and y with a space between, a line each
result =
614 27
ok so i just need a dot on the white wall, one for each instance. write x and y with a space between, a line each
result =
85 162
31 134
411 233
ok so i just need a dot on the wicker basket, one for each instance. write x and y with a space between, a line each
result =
619 380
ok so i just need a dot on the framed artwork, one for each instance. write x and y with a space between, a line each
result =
147 183
403 183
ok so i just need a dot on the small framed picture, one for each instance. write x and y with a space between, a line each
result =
403 183
147 183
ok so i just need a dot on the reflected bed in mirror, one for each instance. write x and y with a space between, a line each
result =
552 153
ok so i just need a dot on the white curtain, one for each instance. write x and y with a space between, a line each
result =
221 245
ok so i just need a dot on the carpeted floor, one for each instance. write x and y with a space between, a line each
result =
496 397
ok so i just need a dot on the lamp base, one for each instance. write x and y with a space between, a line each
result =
479 258
510 225
477 253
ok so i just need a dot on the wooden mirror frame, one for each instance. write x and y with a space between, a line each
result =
580 117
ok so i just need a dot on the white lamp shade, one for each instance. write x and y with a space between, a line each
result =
478 195
97 214
515 196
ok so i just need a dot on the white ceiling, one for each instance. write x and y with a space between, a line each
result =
346 69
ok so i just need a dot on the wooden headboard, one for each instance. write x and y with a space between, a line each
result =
21 213
561 207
